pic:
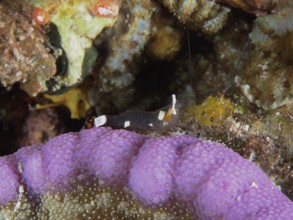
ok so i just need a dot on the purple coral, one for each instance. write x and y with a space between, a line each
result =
215 180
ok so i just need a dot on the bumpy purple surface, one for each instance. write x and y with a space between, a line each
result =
218 182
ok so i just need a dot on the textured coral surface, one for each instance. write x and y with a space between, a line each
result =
209 180
206 16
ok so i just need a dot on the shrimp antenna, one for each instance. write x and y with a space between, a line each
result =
189 56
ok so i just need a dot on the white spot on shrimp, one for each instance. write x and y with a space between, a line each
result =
126 124
100 121
174 104
161 115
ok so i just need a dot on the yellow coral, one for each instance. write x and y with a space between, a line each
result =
75 100
213 111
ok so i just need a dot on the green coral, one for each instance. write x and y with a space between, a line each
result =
78 28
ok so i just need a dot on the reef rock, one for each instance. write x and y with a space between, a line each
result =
24 55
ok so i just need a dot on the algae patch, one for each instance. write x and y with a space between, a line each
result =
213 111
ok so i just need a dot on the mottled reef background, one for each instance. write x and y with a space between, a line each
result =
229 62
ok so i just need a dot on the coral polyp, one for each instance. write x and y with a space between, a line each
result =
106 8
40 16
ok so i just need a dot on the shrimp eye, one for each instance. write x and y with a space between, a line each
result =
90 123
106 8
40 16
